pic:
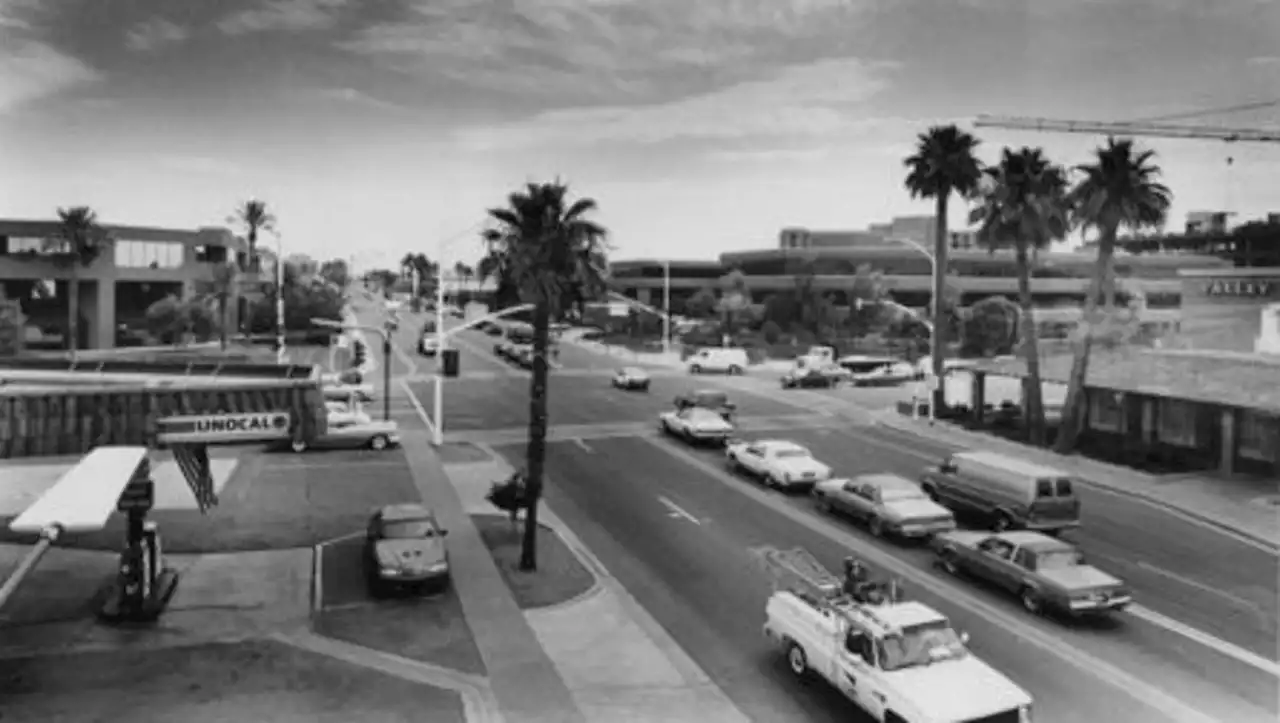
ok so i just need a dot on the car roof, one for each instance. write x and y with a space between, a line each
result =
405 511
1034 540
884 480
1008 463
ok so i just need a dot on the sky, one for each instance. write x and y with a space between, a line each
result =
377 127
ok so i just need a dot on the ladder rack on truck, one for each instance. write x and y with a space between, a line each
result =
798 572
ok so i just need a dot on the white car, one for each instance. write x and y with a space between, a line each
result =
342 392
889 504
719 359
350 427
696 424
778 463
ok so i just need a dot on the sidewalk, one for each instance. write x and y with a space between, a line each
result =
613 658
1247 507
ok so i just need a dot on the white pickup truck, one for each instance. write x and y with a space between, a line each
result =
901 662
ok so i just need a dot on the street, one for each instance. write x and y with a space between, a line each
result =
678 533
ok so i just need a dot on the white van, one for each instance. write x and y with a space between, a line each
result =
726 360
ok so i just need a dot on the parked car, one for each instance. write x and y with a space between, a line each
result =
889 504
812 378
1046 573
712 399
404 548
778 463
350 428
697 425
1010 493
631 378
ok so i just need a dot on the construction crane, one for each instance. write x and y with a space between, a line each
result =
1156 130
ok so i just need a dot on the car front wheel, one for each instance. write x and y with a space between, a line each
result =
298 446
378 443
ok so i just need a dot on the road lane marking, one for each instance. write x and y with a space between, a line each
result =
583 444
1196 584
887 431
417 406
678 511
1234 652
1112 675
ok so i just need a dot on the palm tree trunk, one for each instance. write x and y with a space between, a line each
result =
536 453
73 310
1031 389
939 313
1073 408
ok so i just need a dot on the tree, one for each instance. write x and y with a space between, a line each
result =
554 255
867 294
224 281
77 243
1119 188
702 304
172 320
255 218
335 271
734 299
943 163
991 328
1024 205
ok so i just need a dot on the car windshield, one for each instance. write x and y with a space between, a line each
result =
408 529
921 645
1057 559
791 453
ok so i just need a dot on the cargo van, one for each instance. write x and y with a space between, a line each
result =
1009 492
719 359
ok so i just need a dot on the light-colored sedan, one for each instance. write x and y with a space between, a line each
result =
352 429
696 425
889 504
778 463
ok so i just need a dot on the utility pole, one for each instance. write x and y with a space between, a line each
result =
666 307
438 405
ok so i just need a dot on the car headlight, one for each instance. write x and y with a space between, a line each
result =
1024 714
438 567
390 572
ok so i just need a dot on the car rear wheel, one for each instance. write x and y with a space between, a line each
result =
1031 601
1003 522
298 446
695 369
947 560
735 369
876 525
378 443
797 661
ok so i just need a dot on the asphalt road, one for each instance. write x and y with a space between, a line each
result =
695 577
701 581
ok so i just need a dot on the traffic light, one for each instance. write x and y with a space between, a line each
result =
358 353
449 362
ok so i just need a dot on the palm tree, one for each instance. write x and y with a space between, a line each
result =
1119 188
944 163
255 218
734 299
224 281
77 243
555 257
1024 205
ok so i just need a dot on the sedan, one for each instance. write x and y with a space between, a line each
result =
778 463
889 504
696 425
1046 573
809 379
404 547
353 429
631 378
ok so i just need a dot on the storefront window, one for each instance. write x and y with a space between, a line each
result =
1106 411
1259 436
1177 424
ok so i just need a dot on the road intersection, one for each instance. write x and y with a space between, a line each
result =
678 532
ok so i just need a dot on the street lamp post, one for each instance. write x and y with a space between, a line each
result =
935 349
666 308
280 351
437 407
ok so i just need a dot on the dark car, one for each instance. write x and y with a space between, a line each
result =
809 379
712 399
404 548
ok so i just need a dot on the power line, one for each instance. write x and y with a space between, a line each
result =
1186 115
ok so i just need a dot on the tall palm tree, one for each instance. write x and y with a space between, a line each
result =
555 256
944 163
255 218
224 281
77 243
1120 188
1024 205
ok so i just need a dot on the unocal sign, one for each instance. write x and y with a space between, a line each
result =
225 427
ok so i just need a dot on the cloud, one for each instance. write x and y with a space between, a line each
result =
352 96
608 51
30 70
283 15
1264 61
154 34
812 101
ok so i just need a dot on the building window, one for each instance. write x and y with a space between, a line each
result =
1177 423
148 254
1259 436
1106 410
37 246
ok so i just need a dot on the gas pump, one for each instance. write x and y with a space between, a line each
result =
143 584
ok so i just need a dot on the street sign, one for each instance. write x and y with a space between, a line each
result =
138 496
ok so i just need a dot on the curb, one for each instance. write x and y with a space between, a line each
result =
1145 497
